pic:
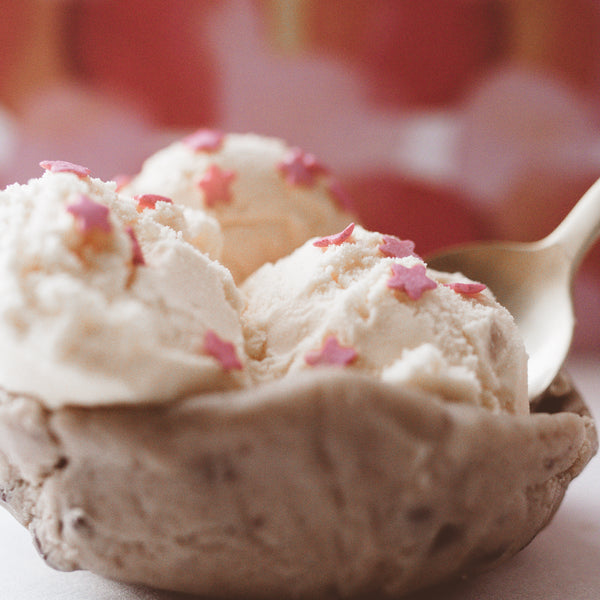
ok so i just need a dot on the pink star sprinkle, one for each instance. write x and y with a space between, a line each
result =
90 215
149 201
216 184
62 166
468 289
336 239
223 351
412 280
137 257
393 246
331 353
300 168
204 140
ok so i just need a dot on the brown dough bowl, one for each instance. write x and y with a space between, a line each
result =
325 486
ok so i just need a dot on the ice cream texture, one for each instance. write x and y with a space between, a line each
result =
110 299
123 294
362 300
268 197
161 422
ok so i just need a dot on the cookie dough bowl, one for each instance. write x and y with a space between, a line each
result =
331 485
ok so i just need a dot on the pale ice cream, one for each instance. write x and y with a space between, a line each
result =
362 300
105 299
111 298
269 198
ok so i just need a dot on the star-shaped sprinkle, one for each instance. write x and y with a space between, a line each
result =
393 246
216 185
204 140
412 280
223 351
336 239
467 288
62 166
331 353
90 215
300 168
149 201
137 257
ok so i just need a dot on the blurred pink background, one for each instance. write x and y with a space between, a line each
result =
447 120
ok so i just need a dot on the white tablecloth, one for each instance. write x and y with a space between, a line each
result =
562 563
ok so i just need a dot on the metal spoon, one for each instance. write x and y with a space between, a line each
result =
534 282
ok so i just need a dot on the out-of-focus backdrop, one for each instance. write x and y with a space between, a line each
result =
447 120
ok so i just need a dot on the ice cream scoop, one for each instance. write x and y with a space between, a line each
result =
534 281
364 302
106 299
268 197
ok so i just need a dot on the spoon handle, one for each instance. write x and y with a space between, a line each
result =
580 228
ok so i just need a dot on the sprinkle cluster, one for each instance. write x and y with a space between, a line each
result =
92 220
412 281
298 169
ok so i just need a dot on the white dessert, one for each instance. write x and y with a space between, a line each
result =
103 303
268 197
339 298
346 423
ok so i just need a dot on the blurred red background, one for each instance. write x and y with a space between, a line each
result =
447 120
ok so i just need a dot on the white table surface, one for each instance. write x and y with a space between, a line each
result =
562 563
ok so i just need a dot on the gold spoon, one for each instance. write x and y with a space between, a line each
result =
534 281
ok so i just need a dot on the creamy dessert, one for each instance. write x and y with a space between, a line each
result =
366 301
268 197
105 299
195 397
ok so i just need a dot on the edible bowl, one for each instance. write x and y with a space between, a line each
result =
327 484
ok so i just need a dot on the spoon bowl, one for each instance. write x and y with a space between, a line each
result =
534 282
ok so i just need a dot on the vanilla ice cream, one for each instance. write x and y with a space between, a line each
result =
268 197
107 299
362 300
